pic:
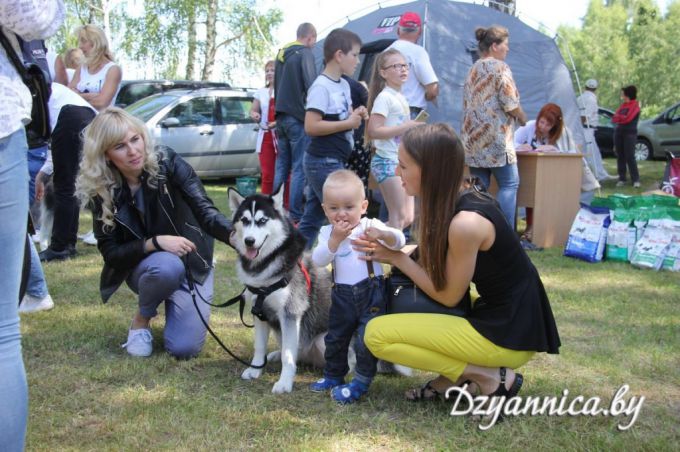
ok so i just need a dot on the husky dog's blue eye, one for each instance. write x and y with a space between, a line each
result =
262 221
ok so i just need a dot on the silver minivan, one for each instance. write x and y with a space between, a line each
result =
210 128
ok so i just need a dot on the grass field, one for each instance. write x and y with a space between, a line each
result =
618 325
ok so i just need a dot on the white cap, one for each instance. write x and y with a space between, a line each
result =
591 83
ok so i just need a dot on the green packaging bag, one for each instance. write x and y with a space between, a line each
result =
621 236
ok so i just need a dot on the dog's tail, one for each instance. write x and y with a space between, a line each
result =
46 215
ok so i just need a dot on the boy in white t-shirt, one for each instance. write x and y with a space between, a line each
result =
358 289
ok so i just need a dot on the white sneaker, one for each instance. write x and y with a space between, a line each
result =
36 237
620 183
139 342
89 239
33 304
636 184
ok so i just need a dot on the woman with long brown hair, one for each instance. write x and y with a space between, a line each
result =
463 237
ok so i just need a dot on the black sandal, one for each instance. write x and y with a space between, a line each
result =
424 394
503 391
514 389
427 392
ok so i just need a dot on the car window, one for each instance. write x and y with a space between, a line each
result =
675 114
149 106
604 120
235 110
129 94
194 112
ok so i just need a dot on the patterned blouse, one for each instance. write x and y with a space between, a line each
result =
487 130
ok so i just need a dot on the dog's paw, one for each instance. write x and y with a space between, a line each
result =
403 370
274 357
251 374
282 387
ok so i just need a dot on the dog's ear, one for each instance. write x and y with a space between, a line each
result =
235 199
278 198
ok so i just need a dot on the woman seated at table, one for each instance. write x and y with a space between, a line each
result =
549 134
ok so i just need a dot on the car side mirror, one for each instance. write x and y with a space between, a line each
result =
170 122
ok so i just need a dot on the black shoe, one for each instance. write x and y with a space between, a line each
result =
72 250
49 255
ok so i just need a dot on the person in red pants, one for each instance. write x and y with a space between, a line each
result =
263 112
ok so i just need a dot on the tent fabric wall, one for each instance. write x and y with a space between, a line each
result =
449 37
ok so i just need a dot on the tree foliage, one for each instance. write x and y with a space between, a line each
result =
179 38
628 42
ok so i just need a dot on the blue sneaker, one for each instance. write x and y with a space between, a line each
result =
349 393
325 384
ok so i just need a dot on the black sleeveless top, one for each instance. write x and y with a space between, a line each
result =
513 310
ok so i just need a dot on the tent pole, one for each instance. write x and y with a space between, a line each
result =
425 24
571 61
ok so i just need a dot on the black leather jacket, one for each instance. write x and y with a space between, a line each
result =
178 205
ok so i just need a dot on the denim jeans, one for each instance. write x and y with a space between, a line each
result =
292 146
161 277
507 178
317 170
13 218
37 285
351 309
36 159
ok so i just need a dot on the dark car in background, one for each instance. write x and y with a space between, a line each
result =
655 138
210 128
133 90
604 133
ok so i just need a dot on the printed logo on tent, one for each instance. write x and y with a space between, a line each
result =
386 25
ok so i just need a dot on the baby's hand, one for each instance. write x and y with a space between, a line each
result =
341 230
373 233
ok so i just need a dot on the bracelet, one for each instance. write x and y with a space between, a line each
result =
155 244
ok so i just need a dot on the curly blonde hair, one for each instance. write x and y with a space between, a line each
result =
96 177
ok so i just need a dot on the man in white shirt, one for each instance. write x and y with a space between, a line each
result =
588 106
422 84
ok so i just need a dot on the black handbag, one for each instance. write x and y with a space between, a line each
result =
38 82
404 297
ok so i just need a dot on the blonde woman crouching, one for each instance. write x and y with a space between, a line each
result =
154 226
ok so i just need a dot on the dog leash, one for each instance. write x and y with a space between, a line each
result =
193 292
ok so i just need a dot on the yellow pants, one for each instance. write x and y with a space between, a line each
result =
438 343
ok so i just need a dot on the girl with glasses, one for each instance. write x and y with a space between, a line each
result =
389 119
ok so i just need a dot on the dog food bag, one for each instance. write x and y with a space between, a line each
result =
671 261
642 215
665 201
651 249
620 236
588 234
604 202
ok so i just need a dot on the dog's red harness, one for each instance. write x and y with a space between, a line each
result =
308 279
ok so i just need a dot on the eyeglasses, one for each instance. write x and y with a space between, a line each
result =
397 66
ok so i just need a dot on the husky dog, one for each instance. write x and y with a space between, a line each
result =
270 258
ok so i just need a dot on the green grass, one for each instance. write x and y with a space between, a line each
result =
618 324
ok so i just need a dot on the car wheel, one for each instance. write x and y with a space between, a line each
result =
643 150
